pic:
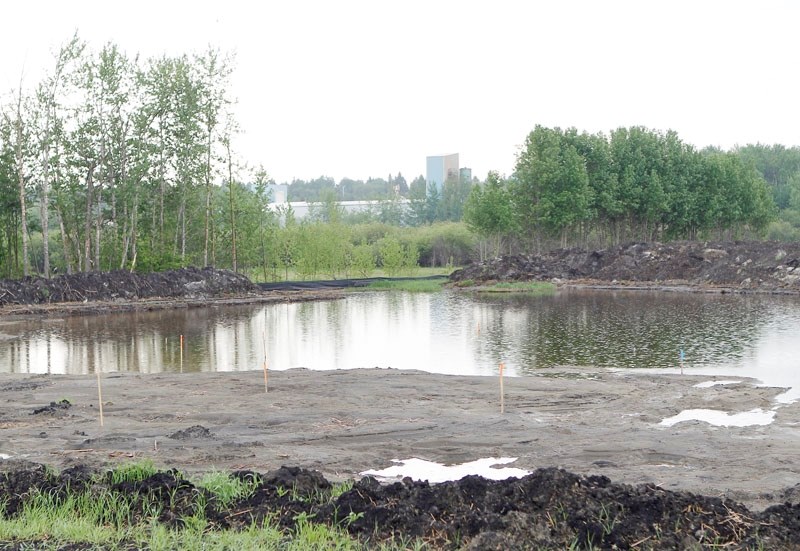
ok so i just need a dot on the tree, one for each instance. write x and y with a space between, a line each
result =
552 185
489 212
48 122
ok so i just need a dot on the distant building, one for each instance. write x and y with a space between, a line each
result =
303 209
440 168
465 175
279 193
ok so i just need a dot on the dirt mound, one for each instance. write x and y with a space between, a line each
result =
124 285
744 265
549 509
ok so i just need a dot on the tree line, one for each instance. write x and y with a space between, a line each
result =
124 157
573 187
115 162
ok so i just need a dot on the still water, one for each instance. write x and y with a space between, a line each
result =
450 333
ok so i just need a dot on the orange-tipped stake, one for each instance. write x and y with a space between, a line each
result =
99 396
502 396
264 336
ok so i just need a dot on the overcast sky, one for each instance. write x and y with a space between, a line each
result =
355 89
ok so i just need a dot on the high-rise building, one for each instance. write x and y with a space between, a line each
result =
440 168
465 175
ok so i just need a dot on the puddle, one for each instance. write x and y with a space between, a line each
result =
709 384
722 419
4 456
420 469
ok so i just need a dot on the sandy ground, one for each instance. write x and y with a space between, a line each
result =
345 422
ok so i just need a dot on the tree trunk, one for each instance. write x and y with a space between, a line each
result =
233 212
64 240
87 229
19 158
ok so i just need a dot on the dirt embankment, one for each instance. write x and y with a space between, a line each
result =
124 285
549 509
744 266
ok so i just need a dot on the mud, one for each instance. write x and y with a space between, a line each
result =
735 266
549 509
125 285
605 473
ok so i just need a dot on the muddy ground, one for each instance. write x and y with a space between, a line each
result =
626 478
740 266
605 473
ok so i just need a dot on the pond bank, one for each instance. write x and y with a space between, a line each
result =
347 421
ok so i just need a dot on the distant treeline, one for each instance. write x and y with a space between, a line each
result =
112 161
576 188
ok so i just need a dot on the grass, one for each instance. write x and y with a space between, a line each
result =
411 285
106 519
417 271
528 287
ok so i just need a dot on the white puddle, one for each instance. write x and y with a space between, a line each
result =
420 469
709 384
4 456
722 419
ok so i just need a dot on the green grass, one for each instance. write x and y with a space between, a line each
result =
105 519
133 472
411 285
417 271
226 488
528 287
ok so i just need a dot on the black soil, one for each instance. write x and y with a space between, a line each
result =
123 285
548 509
739 265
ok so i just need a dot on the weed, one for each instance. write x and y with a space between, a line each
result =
227 489
409 285
527 287
133 472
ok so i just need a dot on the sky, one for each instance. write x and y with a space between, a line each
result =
359 89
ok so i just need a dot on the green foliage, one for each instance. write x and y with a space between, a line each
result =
133 472
363 262
489 212
227 489
411 285
391 254
528 287
636 183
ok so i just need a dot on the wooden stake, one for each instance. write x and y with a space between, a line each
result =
181 353
264 335
502 394
99 396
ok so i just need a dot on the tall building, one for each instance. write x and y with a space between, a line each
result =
465 175
440 168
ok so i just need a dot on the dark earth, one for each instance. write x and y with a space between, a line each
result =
727 266
549 509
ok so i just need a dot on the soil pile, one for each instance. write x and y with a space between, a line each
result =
124 285
549 509
741 265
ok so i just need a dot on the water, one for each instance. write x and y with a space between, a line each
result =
450 333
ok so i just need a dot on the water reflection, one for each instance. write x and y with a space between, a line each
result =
445 333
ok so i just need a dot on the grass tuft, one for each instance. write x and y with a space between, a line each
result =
411 285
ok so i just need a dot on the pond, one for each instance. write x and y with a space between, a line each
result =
447 332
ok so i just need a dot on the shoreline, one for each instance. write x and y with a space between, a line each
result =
270 297
587 421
